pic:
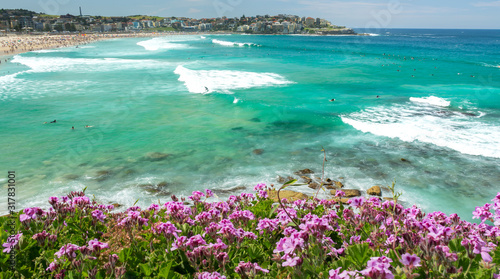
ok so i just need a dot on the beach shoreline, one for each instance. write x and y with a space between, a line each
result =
11 45
14 44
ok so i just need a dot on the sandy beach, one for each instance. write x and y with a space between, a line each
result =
15 44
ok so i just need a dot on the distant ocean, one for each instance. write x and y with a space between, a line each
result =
175 114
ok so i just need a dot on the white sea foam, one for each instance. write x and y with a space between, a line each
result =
490 65
436 125
8 78
203 37
226 43
161 43
431 100
223 81
55 64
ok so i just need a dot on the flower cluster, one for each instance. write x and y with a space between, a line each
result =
250 236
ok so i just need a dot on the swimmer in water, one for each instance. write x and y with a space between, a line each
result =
332 100
53 121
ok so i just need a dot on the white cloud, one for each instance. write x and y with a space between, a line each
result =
193 11
487 4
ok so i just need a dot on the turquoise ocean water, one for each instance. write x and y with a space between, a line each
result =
210 100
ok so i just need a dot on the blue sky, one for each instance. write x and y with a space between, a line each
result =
358 13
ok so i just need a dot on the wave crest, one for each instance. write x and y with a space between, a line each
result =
463 132
431 100
227 43
203 81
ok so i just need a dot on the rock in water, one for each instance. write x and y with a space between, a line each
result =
162 184
102 175
306 179
233 190
334 185
286 194
71 176
375 191
313 185
156 156
258 151
282 179
349 193
304 171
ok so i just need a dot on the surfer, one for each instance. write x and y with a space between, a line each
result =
72 127
206 89
378 96
53 121
332 100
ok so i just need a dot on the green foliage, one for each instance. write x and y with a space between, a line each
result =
262 209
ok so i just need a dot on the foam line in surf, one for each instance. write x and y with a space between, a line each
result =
55 64
223 81
435 125
163 44
431 100
230 44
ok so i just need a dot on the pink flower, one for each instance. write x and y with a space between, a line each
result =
249 269
378 267
209 193
292 261
195 241
179 243
167 229
410 260
208 275
53 200
196 196
482 213
12 242
68 250
357 202
154 207
96 245
259 187
267 225
263 194
98 215
52 266
335 274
